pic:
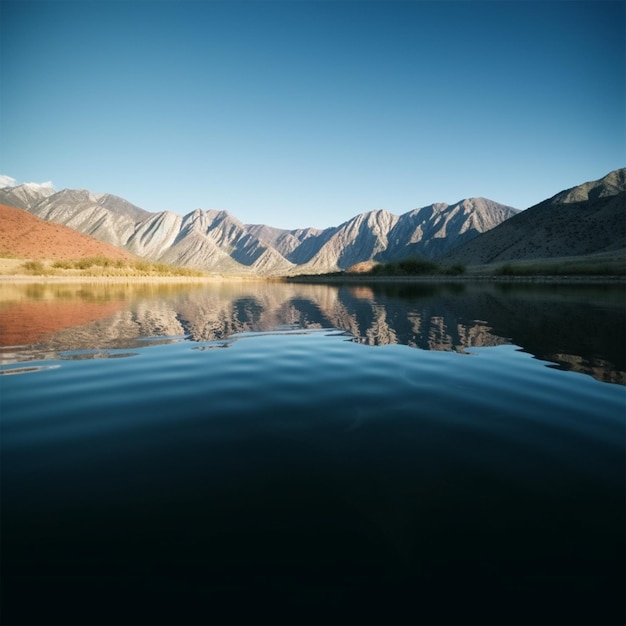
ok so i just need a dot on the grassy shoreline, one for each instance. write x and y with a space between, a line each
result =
468 278
99 270
607 268
26 278
335 280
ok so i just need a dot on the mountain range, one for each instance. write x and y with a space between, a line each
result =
216 241
586 219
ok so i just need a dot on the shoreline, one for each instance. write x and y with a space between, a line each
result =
482 278
25 278
332 280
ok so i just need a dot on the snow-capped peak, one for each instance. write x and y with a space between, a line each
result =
38 186
9 181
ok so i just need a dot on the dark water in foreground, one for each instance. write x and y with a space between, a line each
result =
266 453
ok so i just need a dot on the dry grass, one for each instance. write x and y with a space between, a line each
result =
93 267
601 264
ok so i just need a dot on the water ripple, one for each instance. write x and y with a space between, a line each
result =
304 451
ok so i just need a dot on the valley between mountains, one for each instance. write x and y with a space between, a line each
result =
589 219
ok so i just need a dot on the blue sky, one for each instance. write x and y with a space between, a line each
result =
297 113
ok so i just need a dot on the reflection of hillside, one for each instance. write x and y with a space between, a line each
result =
206 317
224 310
580 327
123 329
575 328
30 321
76 316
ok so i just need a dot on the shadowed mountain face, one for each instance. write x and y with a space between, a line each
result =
587 219
215 241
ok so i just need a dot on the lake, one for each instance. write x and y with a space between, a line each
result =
269 453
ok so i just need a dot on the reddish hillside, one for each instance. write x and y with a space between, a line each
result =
26 236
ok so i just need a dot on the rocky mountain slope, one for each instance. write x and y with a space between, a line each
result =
216 241
380 235
587 219
25 236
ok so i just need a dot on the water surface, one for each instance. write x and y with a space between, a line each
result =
269 453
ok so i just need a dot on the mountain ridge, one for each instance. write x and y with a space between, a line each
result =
586 219
216 241
583 220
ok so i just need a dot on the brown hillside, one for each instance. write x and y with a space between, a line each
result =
27 236
582 221
550 230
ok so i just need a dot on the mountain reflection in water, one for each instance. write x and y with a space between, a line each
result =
577 327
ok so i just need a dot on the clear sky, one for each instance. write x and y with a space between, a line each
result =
300 113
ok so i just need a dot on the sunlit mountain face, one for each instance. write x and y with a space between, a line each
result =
216 241
584 220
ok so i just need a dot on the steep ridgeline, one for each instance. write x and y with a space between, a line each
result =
380 235
104 217
208 240
584 220
215 241
25 196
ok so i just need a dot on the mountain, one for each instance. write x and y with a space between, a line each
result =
610 185
587 219
216 241
207 240
104 217
382 236
27 236
434 230
25 196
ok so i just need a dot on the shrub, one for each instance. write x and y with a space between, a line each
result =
83 264
103 266
505 270
35 267
63 265
415 266
142 266
406 267
455 270
379 270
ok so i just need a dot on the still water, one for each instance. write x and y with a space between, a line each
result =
291 453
